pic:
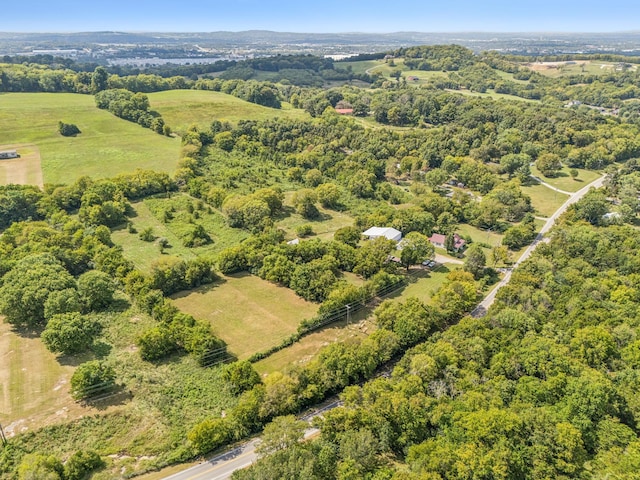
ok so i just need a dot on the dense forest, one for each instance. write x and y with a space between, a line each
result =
544 386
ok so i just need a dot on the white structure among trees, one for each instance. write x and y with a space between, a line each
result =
387 232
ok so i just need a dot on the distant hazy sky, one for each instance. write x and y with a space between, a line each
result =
321 15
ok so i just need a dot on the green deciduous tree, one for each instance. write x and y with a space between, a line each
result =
81 463
548 164
96 289
281 433
92 379
304 201
26 288
415 249
240 376
328 195
40 467
69 333
210 434
475 261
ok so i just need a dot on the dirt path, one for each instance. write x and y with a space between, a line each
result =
26 170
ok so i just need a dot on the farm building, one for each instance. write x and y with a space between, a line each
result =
439 240
344 111
387 232
4 154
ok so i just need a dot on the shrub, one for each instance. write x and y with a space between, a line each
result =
69 333
92 379
68 129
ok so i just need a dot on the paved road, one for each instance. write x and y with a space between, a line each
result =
483 307
222 466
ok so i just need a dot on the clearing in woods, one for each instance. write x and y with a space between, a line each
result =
25 170
248 313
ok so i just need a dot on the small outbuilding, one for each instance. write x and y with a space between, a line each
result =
5 154
387 232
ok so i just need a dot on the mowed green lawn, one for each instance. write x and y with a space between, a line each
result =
248 313
424 283
183 108
479 236
106 147
544 200
565 182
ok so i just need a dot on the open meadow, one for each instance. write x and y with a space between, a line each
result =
183 108
248 313
564 181
578 67
544 200
147 214
106 147
34 387
140 427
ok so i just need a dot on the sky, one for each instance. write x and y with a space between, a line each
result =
328 16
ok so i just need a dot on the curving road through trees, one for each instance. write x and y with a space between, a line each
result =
484 305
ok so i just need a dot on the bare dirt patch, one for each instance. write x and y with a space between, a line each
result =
26 170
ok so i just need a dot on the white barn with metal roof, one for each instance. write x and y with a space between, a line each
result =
387 232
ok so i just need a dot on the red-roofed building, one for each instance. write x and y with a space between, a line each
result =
440 241
344 111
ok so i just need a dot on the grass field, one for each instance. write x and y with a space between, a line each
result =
563 180
248 313
34 388
139 428
106 147
307 348
143 254
479 236
384 68
361 66
424 284
182 108
563 69
545 201
323 227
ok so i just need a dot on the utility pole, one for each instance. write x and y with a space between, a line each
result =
2 437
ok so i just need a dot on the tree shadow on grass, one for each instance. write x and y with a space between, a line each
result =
101 349
321 217
27 332
118 305
118 395
285 212
203 289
